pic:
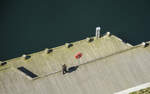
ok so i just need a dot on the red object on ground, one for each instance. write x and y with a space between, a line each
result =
78 55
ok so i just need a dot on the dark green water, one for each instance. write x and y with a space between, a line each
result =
28 26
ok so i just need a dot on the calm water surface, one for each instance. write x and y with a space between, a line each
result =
28 26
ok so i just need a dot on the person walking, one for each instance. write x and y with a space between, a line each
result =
64 69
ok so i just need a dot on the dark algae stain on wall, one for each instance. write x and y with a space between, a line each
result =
28 26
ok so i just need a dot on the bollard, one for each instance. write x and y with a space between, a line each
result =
47 51
2 63
108 34
88 39
143 44
68 45
25 57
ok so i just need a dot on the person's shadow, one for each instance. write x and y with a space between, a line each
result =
71 69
